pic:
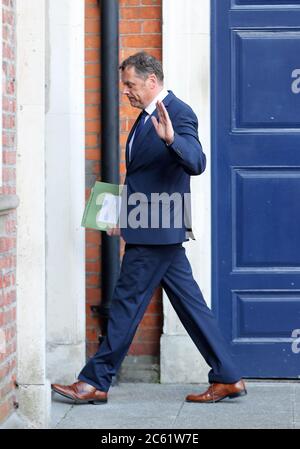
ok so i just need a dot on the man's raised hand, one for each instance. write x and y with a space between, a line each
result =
163 127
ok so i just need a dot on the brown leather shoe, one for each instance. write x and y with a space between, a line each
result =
216 392
81 392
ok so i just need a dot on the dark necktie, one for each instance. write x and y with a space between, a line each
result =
140 124
138 129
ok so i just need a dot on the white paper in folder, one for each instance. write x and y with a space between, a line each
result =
110 209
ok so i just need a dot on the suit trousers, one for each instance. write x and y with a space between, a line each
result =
143 268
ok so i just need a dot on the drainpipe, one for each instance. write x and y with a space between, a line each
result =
110 145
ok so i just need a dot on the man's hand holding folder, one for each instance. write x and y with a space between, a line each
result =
113 231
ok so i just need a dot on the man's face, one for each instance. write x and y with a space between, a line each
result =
140 92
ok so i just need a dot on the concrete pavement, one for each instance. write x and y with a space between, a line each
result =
268 405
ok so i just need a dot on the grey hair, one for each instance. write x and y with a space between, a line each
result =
144 64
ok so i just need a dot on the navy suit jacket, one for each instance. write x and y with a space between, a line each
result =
155 167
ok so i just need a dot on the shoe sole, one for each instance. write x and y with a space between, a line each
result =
230 396
82 401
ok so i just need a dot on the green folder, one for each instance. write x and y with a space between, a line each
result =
103 207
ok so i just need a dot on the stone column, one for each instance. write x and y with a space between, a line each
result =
65 190
34 389
186 60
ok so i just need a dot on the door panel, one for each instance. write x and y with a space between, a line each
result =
256 182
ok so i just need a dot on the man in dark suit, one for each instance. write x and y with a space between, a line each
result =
162 152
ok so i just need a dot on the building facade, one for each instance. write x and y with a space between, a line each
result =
244 206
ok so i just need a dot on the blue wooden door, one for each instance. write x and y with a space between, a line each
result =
256 182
